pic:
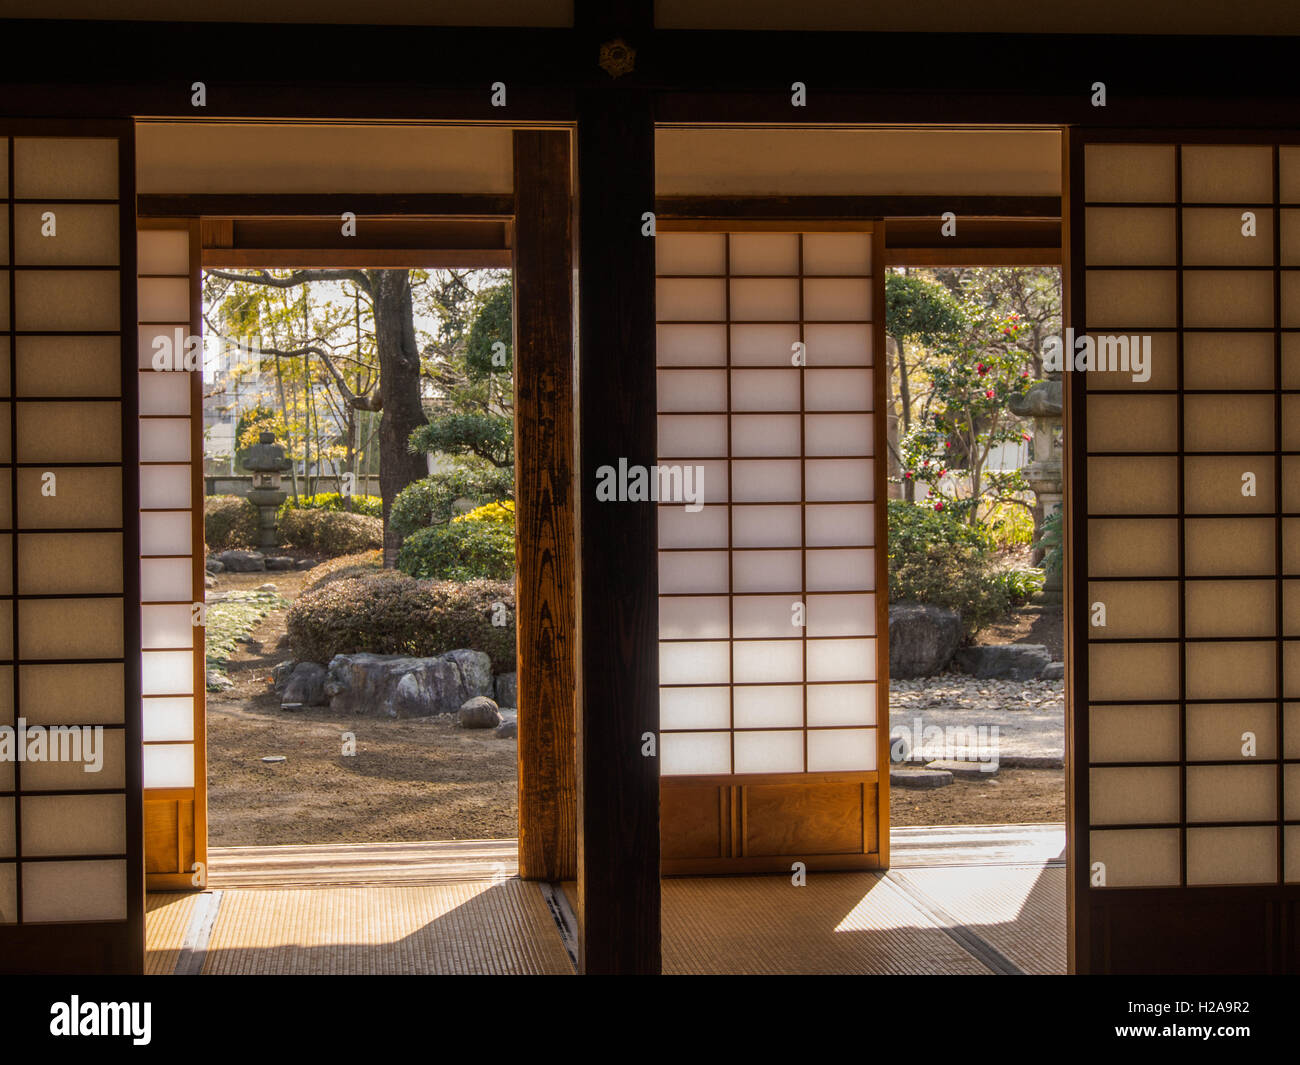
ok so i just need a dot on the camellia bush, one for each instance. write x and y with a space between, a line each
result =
936 557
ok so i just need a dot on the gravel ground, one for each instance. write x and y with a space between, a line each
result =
1029 714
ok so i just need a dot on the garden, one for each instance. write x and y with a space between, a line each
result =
975 547
360 662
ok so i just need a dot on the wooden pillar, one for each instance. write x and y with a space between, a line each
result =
545 581
618 787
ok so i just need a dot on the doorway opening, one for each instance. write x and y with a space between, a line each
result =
349 701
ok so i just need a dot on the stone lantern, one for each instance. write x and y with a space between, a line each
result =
1042 403
266 461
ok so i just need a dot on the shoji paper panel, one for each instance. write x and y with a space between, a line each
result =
170 492
65 831
1187 503
768 659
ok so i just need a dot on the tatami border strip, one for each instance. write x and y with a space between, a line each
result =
954 929
198 934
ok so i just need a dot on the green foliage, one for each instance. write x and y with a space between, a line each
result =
391 613
460 551
494 323
229 522
1052 543
972 384
371 506
489 436
432 500
921 308
330 532
1009 525
1020 585
502 512
934 557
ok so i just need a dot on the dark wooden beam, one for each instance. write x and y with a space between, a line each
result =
839 207
324 205
545 577
618 787
939 257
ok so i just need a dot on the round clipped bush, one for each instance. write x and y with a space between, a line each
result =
330 532
939 559
460 551
391 613
229 522
336 569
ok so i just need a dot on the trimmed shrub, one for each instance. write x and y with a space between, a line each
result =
460 551
502 511
432 500
391 613
937 558
371 506
330 532
229 522
364 564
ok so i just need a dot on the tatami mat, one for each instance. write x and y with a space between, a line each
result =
1017 910
166 917
489 926
844 923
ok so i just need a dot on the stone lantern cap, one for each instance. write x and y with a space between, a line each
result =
266 456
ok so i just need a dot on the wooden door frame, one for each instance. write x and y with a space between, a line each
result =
540 213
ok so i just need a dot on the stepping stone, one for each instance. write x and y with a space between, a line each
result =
919 778
975 771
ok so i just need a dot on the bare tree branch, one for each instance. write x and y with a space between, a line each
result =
299 277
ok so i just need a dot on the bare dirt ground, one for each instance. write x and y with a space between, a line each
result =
1012 797
1031 624
409 779
428 779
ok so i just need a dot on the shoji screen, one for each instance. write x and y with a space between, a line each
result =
71 892
171 562
1186 557
772 665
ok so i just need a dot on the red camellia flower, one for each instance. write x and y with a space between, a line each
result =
1024 373
989 393
908 474
947 443
938 506
1025 435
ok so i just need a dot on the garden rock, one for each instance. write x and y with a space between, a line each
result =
281 673
209 581
267 587
304 563
507 689
213 565
1010 661
479 712
507 730
919 778
243 561
922 639
1054 671
219 682
279 562
305 687
402 686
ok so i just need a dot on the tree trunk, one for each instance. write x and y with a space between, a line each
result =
905 398
399 388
